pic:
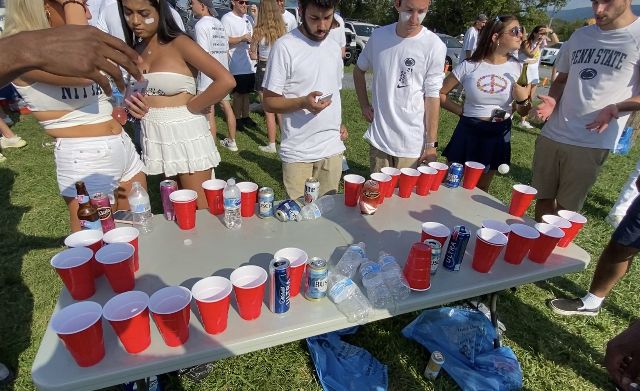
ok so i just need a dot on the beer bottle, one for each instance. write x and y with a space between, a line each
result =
522 80
87 214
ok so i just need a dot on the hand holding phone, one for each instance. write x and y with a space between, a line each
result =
324 98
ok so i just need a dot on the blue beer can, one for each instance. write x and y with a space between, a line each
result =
454 176
265 201
280 281
316 279
288 210
457 246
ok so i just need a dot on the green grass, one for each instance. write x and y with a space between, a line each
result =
555 353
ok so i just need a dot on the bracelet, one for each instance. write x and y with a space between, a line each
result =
79 2
522 102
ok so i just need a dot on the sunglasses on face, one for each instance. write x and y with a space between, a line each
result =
515 31
242 2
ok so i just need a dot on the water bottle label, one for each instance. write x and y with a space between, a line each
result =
372 267
232 203
140 208
358 250
387 259
341 290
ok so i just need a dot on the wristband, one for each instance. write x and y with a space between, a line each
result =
79 2
432 145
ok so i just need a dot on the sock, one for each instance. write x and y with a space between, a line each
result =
591 301
272 145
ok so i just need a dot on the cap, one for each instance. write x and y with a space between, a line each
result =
482 18
209 5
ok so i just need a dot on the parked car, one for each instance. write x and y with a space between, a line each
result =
362 32
454 50
2 16
350 54
549 54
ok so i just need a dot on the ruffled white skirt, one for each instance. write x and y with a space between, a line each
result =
176 141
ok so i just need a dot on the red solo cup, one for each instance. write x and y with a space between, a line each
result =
408 179
499 226
171 312
128 314
117 262
184 206
417 269
542 247
213 189
73 265
213 295
442 173
577 222
352 187
125 235
298 262
385 182
79 326
437 231
248 284
91 238
563 224
472 173
248 198
520 241
427 176
521 198
394 173
489 243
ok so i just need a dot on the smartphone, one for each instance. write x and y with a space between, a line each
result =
498 115
136 86
123 216
324 98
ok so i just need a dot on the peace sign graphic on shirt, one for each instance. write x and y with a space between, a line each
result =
492 84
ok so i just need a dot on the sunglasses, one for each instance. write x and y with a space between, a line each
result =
242 2
515 31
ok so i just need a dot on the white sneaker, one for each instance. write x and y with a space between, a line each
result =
2 158
271 148
229 144
525 124
13 142
8 120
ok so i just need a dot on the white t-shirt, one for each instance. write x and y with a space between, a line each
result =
210 35
338 33
94 9
602 68
487 86
290 21
236 26
469 42
108 19
405 72
296 67
177 18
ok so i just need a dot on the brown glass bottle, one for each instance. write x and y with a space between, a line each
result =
87 214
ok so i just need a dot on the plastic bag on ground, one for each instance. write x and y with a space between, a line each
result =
465 338
344 367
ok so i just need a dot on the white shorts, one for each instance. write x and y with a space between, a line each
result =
101 162
176 141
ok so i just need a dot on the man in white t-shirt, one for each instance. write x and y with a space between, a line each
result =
289 19
407 62
211 36
303 66
598 66
337 33
239 28
470 40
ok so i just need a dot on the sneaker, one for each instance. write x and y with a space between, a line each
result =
271 148
13 142
196 373
571 307
229 144
6 375
2 158
525 124
8 120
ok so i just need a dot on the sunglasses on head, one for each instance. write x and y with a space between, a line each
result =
515 31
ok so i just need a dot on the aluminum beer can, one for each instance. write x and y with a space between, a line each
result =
311 190
316 280
436 252
280 278
454 176
288 210
167 187
265 202
433 366
101 202
457 245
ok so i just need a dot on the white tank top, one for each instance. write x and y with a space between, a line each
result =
169 83
263 50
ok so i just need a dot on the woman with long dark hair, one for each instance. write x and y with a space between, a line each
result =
489 78
176 140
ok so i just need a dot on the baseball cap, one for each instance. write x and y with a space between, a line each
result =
482 18
209 5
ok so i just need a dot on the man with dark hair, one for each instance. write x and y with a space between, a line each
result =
302 82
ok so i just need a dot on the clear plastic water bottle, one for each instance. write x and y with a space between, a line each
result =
377 291
348 298
393 277
318 208
231 197
351 260
140 206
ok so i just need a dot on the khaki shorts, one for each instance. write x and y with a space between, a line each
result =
379 159
565 172
328 172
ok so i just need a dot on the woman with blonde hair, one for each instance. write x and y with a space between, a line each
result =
91 146
269 28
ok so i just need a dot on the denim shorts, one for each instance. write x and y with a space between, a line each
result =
628 231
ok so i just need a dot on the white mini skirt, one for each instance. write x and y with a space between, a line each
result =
176 141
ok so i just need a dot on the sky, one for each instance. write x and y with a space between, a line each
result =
571 4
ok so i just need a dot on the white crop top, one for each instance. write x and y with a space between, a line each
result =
487 86
169 83
264 48
87 105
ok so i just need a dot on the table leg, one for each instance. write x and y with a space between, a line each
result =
493 307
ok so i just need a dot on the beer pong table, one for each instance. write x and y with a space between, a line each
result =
169 256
